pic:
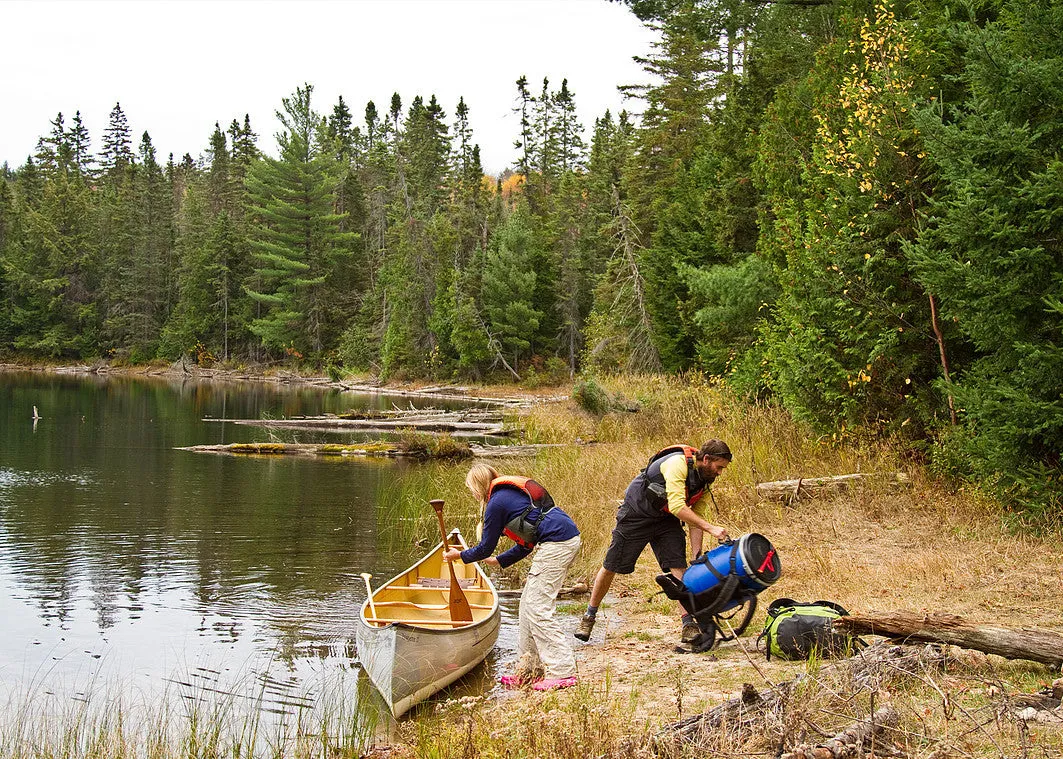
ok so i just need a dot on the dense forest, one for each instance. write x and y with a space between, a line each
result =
852 209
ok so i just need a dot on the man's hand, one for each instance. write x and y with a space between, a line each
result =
451 555
718 532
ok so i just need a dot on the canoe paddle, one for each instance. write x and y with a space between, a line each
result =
369 589
459 604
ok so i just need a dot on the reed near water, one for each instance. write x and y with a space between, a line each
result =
927 546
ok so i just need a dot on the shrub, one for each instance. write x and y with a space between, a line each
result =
592 397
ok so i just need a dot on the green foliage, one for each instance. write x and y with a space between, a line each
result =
992 250
297 239
731 301
591 396
509 279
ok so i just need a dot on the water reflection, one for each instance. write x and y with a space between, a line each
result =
124 560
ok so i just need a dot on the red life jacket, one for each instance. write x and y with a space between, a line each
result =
520 529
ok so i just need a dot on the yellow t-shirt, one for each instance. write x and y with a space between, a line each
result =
674 469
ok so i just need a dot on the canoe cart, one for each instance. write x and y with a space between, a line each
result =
407 642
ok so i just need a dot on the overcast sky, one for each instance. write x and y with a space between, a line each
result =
179 66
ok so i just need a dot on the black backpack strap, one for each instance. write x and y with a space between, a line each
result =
831 605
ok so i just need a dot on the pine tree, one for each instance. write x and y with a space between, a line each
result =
992 249
525 142
340 132
297 237
52 271
674 127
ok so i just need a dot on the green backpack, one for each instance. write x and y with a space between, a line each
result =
793 630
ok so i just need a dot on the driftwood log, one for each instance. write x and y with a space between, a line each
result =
762 709
1024 643
811 487
452 424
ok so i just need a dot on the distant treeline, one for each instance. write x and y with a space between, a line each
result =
855 209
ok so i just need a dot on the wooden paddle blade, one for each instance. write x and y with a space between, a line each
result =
460 611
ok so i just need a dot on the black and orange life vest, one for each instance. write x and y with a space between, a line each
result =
651 496
524 528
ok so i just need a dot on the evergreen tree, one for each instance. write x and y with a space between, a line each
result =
674 127
297 238
117 150
52 271
340 131
80 144
993 248
509 278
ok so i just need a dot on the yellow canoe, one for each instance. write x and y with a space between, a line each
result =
407 642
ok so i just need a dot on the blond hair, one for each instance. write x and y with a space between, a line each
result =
479 480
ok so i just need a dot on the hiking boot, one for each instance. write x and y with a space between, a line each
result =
555 683
586 624
691 632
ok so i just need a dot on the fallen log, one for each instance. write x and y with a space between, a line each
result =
811 487
1040 646
854 741
865 670
374 425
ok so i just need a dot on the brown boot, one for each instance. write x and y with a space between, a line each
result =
586 624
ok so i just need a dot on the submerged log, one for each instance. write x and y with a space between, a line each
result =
458 450
1022 643
794 490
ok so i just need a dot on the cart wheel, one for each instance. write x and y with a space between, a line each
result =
737 617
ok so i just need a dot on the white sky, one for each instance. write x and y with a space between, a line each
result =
178 66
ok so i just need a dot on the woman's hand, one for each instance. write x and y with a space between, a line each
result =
451 554
491 561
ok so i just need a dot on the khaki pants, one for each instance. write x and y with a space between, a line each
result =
540 633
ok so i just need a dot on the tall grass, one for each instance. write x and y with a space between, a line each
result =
189 723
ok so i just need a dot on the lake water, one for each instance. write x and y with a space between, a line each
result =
131 568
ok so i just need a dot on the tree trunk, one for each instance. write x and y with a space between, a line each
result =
1023 643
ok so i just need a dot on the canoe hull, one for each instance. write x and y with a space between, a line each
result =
408 661
408 664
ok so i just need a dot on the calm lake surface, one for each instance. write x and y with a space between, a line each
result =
131 568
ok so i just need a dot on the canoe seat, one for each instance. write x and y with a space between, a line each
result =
432 607
437 587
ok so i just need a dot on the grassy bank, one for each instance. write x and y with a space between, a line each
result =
922 547
876 548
